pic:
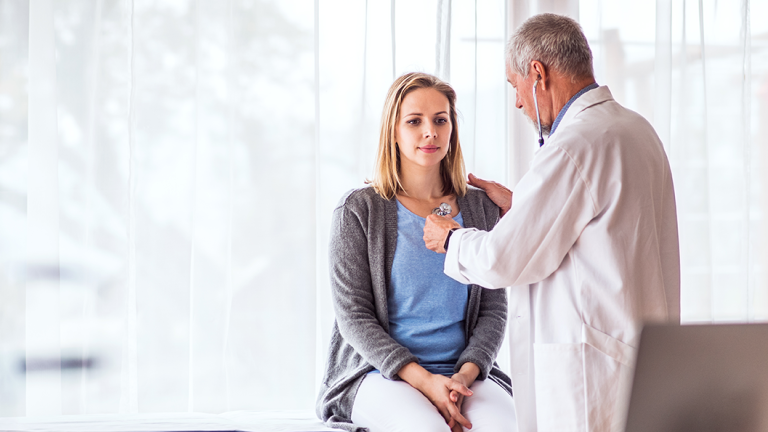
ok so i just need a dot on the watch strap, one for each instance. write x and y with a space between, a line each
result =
448 237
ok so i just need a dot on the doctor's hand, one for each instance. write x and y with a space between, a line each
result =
436 230
500 195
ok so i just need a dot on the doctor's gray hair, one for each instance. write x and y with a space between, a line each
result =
556 41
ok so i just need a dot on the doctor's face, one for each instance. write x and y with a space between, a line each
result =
423 128
524 98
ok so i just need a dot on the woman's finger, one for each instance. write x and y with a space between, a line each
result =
453 410
446 414
460 401
454 396
459 388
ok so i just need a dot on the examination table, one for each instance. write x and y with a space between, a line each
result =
246 421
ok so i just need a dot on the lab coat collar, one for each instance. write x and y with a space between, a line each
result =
587 100
570 102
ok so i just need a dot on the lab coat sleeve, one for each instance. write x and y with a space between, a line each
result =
353 297
552 206
670 253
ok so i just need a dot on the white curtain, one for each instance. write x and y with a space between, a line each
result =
167 175
698 70
157 210
168 170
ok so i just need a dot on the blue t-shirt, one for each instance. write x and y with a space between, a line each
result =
426 308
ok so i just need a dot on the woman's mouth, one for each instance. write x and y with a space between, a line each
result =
429 149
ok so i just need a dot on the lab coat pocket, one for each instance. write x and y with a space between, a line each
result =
608 376
559 376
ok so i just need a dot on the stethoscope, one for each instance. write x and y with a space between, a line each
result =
538 116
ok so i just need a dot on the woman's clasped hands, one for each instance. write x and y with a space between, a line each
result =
446 394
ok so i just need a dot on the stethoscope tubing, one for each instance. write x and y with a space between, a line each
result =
538 116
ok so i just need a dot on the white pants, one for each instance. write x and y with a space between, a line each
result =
394 406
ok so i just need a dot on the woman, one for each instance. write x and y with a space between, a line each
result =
411 349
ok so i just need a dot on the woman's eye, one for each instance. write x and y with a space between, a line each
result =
441 121
413 122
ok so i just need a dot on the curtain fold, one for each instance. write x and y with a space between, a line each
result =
129 374
44 395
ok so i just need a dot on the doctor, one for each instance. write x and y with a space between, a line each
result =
590 246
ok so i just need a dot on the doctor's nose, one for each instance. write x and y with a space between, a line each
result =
518 101
430 133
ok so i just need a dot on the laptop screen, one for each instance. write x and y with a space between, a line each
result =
700 378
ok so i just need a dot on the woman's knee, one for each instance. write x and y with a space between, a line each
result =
497 424
432 424
394 406
493 418
490 409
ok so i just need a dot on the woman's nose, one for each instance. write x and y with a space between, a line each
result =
430 132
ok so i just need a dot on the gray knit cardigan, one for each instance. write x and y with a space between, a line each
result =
362 249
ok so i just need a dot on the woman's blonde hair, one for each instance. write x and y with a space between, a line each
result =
386 176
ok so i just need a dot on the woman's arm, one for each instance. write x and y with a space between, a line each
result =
444 393
485 341
353 297
488 335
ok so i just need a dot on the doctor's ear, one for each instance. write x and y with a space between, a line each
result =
538 68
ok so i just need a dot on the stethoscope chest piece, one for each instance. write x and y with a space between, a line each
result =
444 210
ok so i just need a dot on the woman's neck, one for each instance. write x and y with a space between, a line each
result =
422 183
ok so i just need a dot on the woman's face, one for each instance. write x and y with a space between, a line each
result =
424 128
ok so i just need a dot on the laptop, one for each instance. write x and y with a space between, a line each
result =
702 378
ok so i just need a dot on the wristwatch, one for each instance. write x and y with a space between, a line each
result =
448 237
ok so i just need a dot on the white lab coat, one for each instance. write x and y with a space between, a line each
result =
590 248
